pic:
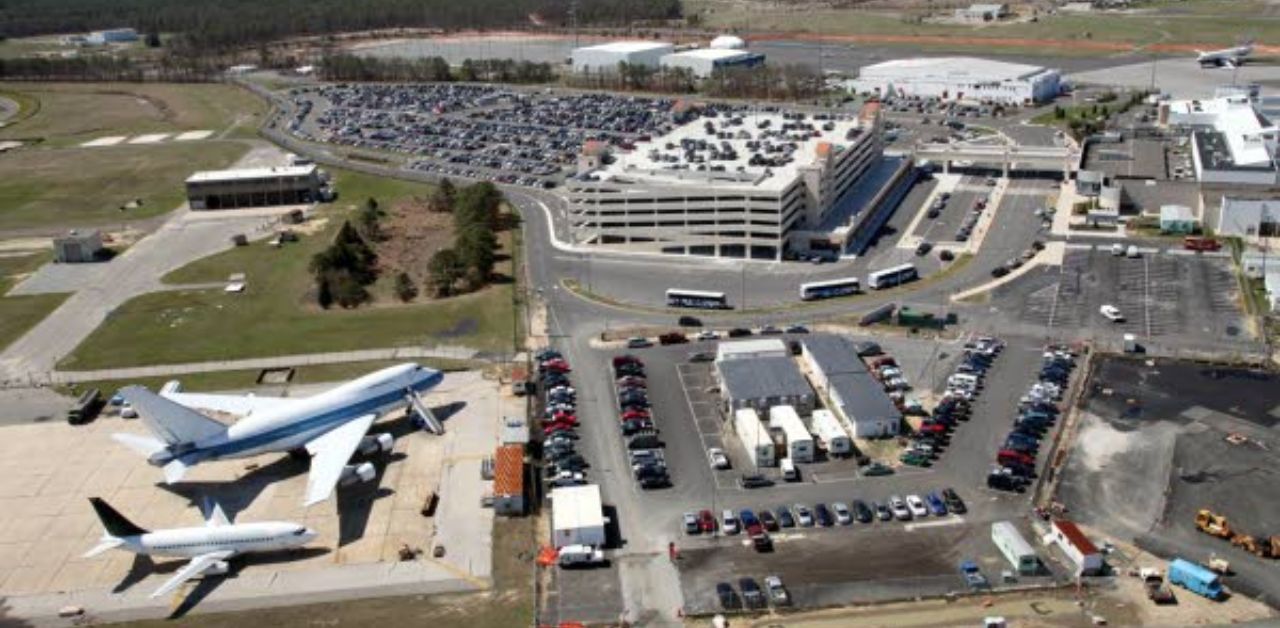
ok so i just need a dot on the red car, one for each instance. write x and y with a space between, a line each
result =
564 417
706 521
556 427
885 361
556 366
1009 457
619 360
932 428
634 413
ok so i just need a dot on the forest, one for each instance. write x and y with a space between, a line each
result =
227 24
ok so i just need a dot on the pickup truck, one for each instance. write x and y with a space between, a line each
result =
973 576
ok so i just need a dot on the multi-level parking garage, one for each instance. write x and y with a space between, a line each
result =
744 185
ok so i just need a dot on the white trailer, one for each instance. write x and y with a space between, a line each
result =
577 516
799 441
1014 547
755 438
831 434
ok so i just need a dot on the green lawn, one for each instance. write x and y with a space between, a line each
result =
1193 25
87 186
20 313
70 114
276 315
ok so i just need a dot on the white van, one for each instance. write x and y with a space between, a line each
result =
1132 251
964 380
789 472
580 556
1117 250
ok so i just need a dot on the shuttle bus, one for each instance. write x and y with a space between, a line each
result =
697 299
891 277
828 289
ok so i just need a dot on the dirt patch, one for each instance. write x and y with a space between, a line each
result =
412 234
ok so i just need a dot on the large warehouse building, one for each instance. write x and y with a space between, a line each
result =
703 62
605 58
737 185
856 397
255 187
960 78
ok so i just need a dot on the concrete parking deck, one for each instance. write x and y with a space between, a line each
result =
46 522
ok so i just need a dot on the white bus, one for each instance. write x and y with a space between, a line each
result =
829 289
697 299
891 277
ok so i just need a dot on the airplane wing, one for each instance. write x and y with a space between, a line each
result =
239 405
330 453
191 570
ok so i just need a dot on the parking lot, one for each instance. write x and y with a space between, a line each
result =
1159 294
514 136
819 565
944 228
48 524
1153 448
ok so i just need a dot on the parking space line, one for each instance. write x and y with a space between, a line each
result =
1146 292
949 521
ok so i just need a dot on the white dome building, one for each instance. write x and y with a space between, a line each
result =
728 42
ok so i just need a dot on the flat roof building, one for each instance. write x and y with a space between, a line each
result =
704 62
508 481
1232 142
111 36
254 187
856 397
605 58
762 383
758 348
960 78
577 516
982 12
77 248
737 185
1248 217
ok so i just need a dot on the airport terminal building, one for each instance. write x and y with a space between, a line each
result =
255 187
1232 142
739 185
962 79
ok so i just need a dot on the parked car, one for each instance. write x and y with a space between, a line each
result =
954 503
718 458
778 595
727 596
862 512
767 519
752 596
785 519
755 481
899 508
691 523
739 332
706 521
729 522
883 512
843 516
672 338
689 321
638 343
936 506
707 334
917 507
804 517
823 515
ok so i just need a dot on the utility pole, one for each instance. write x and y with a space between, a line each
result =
573 20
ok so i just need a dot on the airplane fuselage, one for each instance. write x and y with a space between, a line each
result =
292 427
239 538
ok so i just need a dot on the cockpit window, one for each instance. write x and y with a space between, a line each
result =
300 532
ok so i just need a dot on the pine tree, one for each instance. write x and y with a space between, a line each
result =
405 289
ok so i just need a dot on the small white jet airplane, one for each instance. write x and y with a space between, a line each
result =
1227 57
209 547
330 426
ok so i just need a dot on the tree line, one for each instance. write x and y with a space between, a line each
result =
769 82
348 67
228 24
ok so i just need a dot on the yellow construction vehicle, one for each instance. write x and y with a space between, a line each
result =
1213 524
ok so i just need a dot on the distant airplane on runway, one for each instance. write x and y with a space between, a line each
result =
209 547
1227 57
330 426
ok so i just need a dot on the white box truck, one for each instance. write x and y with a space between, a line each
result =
831 434
754 437
799 441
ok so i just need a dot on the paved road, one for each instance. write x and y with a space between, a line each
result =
101 288
339 357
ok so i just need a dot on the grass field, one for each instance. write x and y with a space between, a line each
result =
20 313
86 187
1211 22
276 314
70 114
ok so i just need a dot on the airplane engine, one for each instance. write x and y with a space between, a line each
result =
353 473
373 443
218 568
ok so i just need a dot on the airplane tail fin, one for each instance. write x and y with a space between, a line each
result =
107 543
172 422
114 523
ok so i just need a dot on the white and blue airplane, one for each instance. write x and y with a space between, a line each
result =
1227 57
209 546
330 426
